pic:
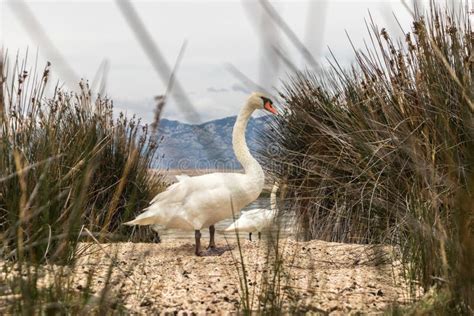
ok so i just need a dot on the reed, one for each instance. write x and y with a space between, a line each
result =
383 152
67 167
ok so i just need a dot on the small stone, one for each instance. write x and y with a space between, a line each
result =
146 302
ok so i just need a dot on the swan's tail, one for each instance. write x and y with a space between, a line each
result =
147 218
231 227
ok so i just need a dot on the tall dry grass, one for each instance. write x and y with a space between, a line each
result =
384 152
67 167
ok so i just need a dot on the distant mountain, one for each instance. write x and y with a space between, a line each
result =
203 146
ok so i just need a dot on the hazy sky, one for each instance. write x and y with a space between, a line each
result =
217 32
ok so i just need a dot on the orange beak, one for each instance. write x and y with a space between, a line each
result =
269 107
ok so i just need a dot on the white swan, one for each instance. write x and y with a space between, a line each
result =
197 202
257 219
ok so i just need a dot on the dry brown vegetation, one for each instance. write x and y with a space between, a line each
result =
384 152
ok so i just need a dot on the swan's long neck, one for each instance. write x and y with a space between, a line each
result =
241 150
273 202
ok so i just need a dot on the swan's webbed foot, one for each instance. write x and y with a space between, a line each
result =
259 235
250 236
212 243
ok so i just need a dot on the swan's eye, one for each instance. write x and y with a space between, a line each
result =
266 100
268 105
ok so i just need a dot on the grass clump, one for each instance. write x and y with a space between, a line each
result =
66 163
384 152
69 171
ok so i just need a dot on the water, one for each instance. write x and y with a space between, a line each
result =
261 202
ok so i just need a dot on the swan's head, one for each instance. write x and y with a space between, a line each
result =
262 102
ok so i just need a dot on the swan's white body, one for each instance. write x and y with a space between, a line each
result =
194 203
256 220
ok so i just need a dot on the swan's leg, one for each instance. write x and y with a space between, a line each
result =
197 235
212 244
259 235
250 236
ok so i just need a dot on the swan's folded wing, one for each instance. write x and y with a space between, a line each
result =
187 184
254 211
205 207
260 217
174 192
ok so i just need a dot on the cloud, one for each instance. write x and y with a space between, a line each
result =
240 88
216 90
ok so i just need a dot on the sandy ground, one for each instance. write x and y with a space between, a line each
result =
316 276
